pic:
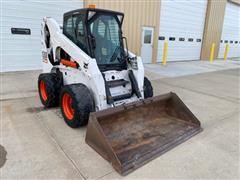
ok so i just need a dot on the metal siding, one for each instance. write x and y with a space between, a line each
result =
137 14
182 19
213 27
231 31
23 52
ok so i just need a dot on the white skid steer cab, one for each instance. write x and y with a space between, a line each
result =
89 72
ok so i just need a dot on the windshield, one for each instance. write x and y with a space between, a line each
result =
106 32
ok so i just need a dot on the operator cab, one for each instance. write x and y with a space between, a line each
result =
98 33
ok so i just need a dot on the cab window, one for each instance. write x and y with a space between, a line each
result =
80 35
68 27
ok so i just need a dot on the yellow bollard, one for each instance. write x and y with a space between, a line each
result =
226 52
164 58
212 52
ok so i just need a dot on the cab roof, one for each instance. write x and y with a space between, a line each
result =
84 11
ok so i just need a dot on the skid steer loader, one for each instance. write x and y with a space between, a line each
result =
89 72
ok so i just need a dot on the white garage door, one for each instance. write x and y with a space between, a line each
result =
23 52
182 25
231 31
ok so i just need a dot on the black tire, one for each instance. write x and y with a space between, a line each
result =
82 104
52 88
147 87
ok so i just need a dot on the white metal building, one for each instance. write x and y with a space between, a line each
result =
182 25
22 51
231 31
189 26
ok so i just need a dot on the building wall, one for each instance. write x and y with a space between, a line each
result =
137 14
23 51
147 13
213 26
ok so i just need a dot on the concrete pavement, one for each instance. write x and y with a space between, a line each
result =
40 145
183 68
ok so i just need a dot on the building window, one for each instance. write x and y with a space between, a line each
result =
198 40
161 38
181 39
147 36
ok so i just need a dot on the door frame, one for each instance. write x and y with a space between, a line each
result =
142 38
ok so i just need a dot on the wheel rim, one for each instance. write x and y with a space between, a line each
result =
67 106
43 90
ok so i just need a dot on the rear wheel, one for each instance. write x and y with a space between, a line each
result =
147 87
48 88
76 104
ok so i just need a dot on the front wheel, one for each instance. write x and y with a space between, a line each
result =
76 104
147 87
